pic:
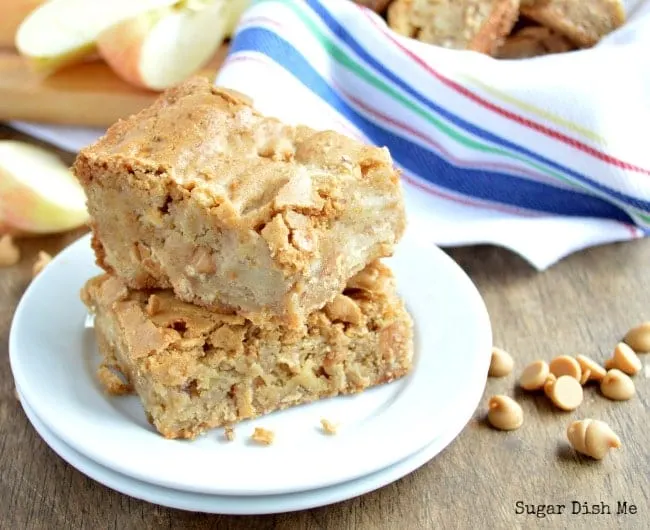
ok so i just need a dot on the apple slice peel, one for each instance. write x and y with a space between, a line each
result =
38 193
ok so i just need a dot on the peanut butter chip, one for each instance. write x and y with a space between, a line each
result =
565 365
501 363
153 305
609 364
638 338
9 252
597 372
41 262
593 438
534 375
345 309
586 376
504 413
617 386
548 385
566 393
626 360
366 279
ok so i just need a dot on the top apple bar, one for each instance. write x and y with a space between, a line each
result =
234 210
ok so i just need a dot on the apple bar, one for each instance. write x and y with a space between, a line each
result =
195 368
203 195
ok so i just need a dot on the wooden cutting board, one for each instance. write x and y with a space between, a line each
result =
87 94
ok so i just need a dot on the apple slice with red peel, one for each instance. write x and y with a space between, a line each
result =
61 32
163 47
38 193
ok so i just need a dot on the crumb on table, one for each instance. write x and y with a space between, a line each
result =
263 436
9 252
41 262
328 426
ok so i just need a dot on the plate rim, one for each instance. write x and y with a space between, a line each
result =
233 505
479 377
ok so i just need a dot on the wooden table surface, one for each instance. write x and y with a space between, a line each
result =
582 305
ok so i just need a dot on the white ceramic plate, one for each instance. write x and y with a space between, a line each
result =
249 505
53 359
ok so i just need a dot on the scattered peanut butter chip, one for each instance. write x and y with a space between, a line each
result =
609 365
566 393
617 386
41 262
263 436
586 376
566 365
534 375
626 360
504 413
597 372
229 433
593 438
548 384
328 426
501 363
9 252
638 338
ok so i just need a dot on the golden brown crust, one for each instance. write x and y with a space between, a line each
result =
195 369
231 209
583 22
533 41
478 25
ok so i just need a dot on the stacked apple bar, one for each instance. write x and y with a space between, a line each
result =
242 261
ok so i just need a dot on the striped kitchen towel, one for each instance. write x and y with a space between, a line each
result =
543 156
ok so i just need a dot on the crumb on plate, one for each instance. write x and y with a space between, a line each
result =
328 426
263 436
229 433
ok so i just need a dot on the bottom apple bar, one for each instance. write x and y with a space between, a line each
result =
195 369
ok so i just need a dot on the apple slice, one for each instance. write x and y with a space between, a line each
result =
61 32
163 47
38 193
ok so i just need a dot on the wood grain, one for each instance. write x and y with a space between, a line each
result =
12 13
582 305
87 94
